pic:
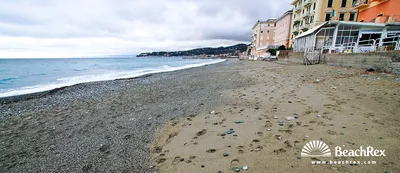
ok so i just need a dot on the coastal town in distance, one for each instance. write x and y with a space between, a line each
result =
167 86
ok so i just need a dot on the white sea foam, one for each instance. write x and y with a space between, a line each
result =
110 75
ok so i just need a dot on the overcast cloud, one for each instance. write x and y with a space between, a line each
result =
64 28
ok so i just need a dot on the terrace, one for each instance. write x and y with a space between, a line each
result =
349 37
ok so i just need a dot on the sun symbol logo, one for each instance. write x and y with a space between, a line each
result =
316 149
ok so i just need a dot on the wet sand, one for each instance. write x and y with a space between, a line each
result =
265 125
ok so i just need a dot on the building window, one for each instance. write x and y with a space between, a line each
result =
268 25
327 17
330 2
262 32
352 15
341 16
267 31
314 6
344 2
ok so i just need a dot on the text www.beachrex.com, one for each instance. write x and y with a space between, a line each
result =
343 162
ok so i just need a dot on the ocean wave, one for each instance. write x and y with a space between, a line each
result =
2 81
109 75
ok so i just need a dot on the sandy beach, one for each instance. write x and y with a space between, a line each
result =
178 121
263 127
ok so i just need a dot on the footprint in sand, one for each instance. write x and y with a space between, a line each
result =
211 150
202 132
161 160
176 160
190 143
257 149
287 143
279 151
234 162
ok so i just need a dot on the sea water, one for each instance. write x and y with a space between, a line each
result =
23 76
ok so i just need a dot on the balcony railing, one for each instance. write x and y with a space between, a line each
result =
296 21
308 2
307 14
360 3
298 8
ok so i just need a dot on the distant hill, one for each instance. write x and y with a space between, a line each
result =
232 50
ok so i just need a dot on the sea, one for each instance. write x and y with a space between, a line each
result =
24 76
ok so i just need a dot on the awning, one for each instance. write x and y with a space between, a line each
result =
310 31
371 32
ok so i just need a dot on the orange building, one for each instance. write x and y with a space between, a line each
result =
378 11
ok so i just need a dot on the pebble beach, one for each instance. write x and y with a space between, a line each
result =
219 117
104 126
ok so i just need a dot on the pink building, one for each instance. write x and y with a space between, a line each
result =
282 30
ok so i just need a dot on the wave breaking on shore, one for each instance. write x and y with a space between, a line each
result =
110 75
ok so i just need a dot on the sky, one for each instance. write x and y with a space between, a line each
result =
78 28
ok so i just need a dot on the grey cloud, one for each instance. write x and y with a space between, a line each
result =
167 21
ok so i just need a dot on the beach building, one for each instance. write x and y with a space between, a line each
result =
262 37
308 14
282 30
347 37
378 11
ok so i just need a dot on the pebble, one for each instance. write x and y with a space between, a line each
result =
236 169
289 118
245 168
212 112
318 116
225 154
275 117
230 132
279 137
182 159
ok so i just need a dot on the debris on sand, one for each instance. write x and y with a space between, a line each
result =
290 118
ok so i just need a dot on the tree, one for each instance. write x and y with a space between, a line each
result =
272 51
282 47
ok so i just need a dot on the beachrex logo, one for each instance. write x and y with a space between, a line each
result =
320 149
369 151
316 149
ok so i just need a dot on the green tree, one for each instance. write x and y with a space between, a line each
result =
282 47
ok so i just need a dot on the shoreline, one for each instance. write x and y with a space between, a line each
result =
150 124
28 96
108 125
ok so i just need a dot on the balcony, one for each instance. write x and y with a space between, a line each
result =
307 14
297 9
307 3
360 4
296 21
